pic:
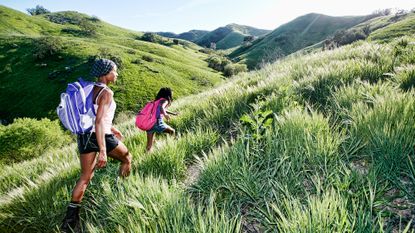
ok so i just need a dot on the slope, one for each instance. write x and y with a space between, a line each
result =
229 36
31 85
192 35
301 32
336 157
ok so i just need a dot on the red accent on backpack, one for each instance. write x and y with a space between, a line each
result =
147 116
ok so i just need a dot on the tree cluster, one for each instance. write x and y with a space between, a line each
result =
38 10
223 64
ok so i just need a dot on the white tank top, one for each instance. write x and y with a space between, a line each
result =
108 115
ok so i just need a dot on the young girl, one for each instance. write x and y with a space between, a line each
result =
160 127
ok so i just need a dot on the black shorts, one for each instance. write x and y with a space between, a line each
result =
88 143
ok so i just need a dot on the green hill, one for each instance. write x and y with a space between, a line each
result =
322 142
317 142
393 26
381 28
230 36
301 32
192 35
31 85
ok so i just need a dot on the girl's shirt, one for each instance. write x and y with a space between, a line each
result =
160 110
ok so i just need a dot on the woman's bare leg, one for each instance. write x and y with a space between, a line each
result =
87 172
122 154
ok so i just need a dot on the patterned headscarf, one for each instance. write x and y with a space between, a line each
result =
102 67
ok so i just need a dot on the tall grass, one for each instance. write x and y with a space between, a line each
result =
386 130
152 205
308 173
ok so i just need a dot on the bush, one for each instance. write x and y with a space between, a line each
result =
88 28
344 37
151 37
46 47
217 62
38 10
147 58
27 138
105 52
234 69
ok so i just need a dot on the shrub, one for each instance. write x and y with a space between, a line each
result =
38 10
105 52
65 18
217 62
234 69
151 37
94 19
344 37
27 138
88 28
46 47
147 58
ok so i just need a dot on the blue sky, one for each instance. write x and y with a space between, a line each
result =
183 15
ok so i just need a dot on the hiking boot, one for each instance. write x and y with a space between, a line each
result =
71 222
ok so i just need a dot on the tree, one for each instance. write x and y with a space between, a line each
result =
249 38
38 10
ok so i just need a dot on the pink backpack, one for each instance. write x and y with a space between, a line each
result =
147 117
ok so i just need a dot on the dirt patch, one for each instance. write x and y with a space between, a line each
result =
192 174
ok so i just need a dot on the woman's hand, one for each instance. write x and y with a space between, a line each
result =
102 158
117 133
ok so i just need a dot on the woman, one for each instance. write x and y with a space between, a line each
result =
104 139
166 94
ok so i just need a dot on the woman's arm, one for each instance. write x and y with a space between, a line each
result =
103 105
117 133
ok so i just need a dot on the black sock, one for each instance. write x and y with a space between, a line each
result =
74 204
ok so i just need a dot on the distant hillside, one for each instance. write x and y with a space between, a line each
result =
390 27
230 36
70 41
191 35
301 32
382 28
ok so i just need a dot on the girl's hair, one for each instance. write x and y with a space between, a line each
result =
165 92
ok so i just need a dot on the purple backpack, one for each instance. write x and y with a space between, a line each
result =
76 109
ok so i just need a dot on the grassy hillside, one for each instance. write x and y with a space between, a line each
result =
393 26
230 36
301 32
32 85
337 156
192 35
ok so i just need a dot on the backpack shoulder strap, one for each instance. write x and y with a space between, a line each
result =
99 93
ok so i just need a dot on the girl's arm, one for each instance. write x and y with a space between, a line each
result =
164 111
171 113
